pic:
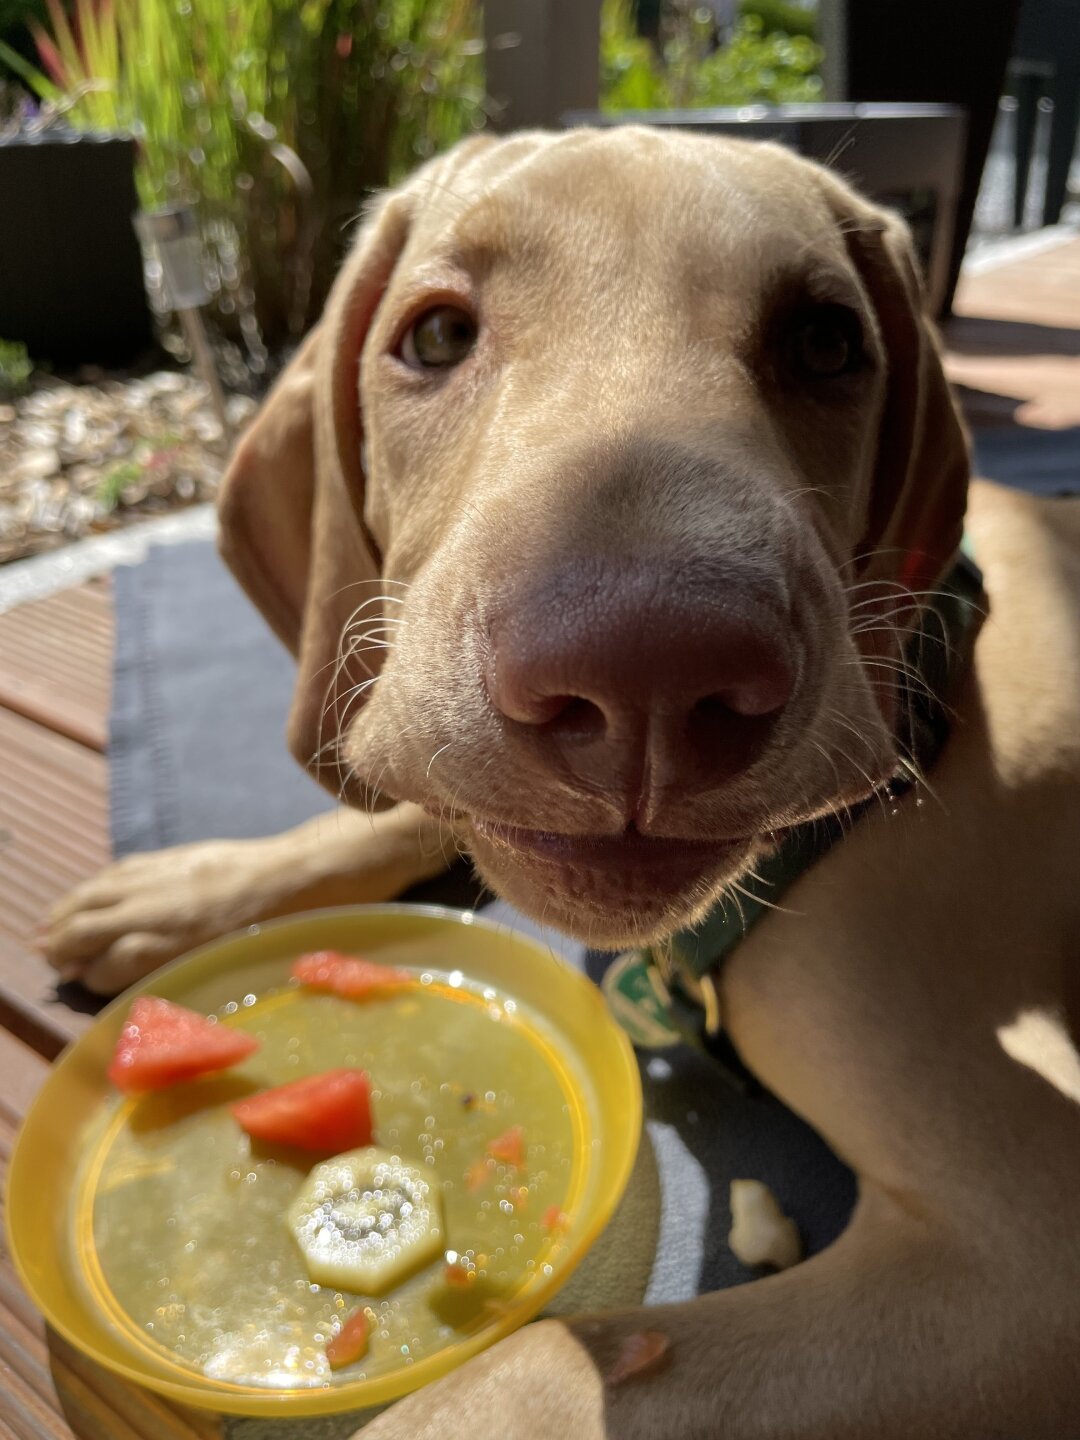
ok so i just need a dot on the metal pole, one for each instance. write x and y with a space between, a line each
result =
543 60
203 358
172 233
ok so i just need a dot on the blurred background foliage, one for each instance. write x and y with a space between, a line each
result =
765 53
274 118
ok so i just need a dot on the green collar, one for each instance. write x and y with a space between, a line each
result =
665 995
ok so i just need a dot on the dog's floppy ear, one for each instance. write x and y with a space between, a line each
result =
292 504
291 507
266 498
915 513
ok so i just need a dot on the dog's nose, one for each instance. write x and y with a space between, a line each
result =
625 674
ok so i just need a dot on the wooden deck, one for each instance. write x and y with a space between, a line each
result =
55 677
1015 351
1014 344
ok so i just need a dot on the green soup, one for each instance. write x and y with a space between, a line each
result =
185 1215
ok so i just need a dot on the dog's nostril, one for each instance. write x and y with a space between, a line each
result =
717 730
576 716
711 706
764 686
741 705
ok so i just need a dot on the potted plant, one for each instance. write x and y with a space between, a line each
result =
73 290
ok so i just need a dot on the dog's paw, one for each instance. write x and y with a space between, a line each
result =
539 1384
145 910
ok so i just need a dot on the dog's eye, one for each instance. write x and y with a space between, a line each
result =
827 342
439 338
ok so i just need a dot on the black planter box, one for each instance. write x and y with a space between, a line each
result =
908 156
71 285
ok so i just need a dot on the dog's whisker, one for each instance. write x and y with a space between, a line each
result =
375 639
841 719
760 899
380 599
434 757
352 699
375 788
875 786
877 585
894 667
919 780
733 893
831 763
373 580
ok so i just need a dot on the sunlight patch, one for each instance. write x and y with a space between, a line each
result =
1039 1040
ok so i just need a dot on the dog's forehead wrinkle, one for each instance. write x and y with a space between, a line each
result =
691 226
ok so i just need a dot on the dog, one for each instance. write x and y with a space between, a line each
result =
597 511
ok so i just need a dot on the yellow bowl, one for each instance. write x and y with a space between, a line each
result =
565 1011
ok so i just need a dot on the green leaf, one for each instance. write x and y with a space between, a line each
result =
37 80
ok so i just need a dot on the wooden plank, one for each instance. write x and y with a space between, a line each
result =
24 1415
53 833
53 820
28 1405
48 1390
22 1073
1038 289
56 662
104 1407
31 1009
1015 338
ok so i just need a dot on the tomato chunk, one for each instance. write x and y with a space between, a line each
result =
351 1341
555 1220
478 1175
329 1112
162 1044
348 975
509 1148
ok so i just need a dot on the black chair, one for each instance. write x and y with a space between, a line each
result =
1046 61
923 50
907 156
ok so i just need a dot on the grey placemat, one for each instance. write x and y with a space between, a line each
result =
200 698
1043 462
197 750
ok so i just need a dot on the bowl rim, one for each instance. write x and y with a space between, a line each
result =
232 1398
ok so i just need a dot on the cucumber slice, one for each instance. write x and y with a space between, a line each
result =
365 1221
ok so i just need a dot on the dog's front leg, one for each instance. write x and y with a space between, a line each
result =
901 1330
540 1384
146 909
898 1331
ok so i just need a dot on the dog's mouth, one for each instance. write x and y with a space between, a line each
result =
629 851
609 890
612 873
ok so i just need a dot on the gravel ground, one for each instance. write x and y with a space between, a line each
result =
78 460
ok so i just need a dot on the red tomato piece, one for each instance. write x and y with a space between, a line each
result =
348 975
162 1044
329 1112
478 1175
509 1148
555 1220
351 1341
